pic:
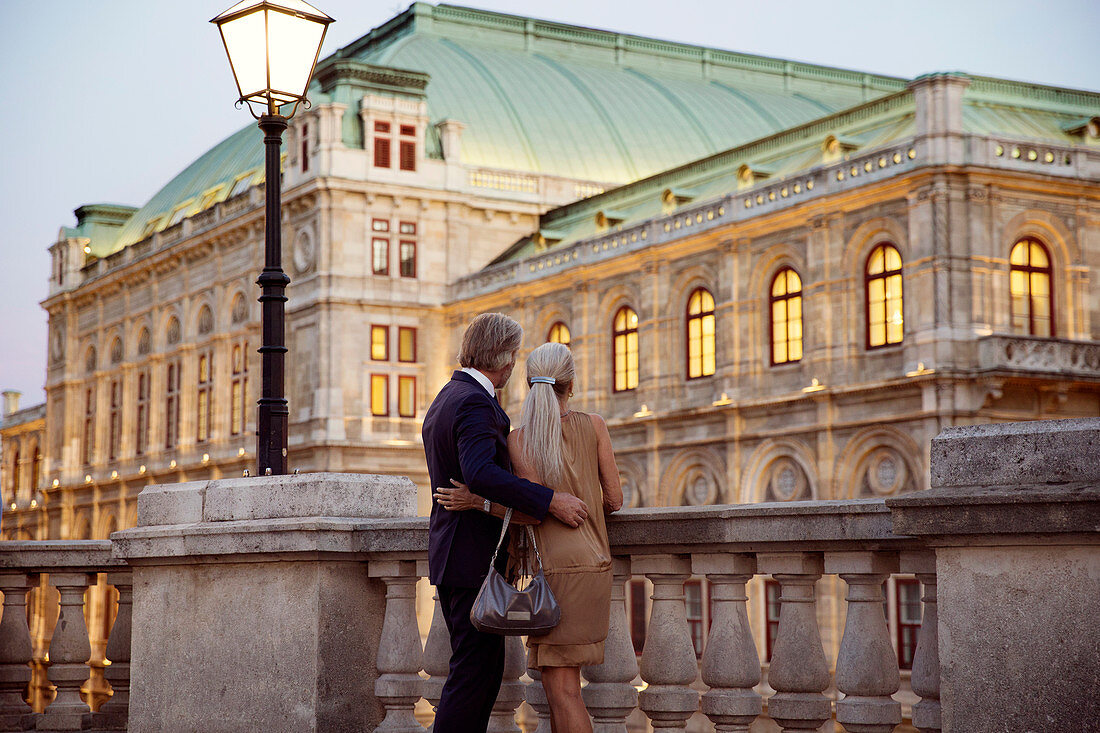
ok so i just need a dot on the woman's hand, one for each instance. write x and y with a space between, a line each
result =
458 499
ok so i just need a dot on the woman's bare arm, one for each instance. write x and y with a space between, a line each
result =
609 470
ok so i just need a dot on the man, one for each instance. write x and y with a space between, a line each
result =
466 439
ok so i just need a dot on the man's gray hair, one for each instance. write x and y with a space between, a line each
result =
489 342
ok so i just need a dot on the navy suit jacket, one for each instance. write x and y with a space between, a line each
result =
466 438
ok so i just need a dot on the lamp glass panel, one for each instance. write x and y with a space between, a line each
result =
293 42
246 44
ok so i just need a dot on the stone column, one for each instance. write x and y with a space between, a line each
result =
536 698
866 667
925 678
15 650
69 654
503 718
731 665
609 695
668 664
398 686
114 713
799 672
437 657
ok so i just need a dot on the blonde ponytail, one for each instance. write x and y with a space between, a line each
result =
550 375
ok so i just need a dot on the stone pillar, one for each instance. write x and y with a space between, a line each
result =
731 665
668 664
437 657
866 667
114 713
925 679
15 650
799 672
69 654
503 718
1012 516
536 698
609 695
939 117
398 686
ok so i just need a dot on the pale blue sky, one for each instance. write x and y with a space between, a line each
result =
109 99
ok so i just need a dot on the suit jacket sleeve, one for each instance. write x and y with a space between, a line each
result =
477 445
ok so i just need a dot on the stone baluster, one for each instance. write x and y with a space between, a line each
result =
15 650
437 657
399 685
799 672
668 659
69 654
609 695
113 714
731 665
926 657
536 698
866 666
503 718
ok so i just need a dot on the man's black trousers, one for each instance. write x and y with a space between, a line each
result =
477 666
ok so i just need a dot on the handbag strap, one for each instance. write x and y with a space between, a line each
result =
504 533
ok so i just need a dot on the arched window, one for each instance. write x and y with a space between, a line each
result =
90 360
700 334
625 349
239 309
36 468
885 319
786 316
116 351
172 333
1030 284
206 320
16 470
558 334
144 342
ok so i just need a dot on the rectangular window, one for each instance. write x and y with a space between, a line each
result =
379 395
305 148
693 603
172 406
406 396
115 421
908 620
771 615
204 406
380 256
381 145
141 442
88 441
407 227
379 343
379 225
407 148
238 389
406 344
637 614
408 258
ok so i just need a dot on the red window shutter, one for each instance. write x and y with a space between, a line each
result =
408 155
381 152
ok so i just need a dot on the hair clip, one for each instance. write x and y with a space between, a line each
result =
542 380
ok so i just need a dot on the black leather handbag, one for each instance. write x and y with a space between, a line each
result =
502 608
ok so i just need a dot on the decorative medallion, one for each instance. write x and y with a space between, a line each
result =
57 343
786 481
305 253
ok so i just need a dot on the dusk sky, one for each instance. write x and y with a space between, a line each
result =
109 99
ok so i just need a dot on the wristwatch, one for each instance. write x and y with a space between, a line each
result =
487 506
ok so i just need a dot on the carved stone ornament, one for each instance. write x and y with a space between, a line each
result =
305 253
57 343
786 481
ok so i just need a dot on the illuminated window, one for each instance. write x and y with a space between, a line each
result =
558 334
907 620
771 615
114 422
141 442
172 406
88 441
786 317
379 343
885 321
700 334
381 145
204 406
1030 283
625 349
238 390
406 396
407 149
406 344
379 395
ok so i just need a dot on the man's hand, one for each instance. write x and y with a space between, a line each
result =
568 508
458 499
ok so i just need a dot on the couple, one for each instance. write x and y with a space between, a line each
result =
556 471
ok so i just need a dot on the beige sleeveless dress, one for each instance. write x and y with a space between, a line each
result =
577 562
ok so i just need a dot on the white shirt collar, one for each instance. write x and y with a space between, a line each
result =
482 380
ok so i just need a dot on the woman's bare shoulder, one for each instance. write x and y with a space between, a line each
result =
597 422
515 438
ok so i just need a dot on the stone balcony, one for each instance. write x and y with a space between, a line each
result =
289 604
1029 354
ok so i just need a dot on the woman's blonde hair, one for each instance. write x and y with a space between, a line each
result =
541 422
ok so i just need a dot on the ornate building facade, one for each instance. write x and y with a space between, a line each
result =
780 280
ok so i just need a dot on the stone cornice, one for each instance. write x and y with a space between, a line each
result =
333 72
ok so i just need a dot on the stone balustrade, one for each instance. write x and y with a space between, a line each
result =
290 603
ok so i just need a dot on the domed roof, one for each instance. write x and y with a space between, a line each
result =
553 99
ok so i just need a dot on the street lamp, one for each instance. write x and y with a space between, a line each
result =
273 47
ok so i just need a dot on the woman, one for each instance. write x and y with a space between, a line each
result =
569 451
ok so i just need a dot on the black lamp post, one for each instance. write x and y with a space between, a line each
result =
273 47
